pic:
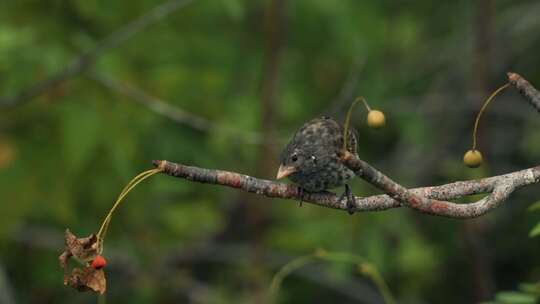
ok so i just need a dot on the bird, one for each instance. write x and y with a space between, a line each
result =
312 158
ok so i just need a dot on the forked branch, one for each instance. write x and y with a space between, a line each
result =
434 200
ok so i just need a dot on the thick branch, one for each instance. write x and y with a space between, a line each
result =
433 200
430 198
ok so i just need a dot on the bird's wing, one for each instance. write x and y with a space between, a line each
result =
352 141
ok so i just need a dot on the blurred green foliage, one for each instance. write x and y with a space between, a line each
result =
65 155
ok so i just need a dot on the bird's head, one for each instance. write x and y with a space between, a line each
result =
313 146
298 159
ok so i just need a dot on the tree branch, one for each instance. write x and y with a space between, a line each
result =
153 103
178 115
426 199
433 200
526 89
85 60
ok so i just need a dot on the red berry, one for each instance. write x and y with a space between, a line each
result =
99 262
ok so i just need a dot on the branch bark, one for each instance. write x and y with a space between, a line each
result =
526 89
430 200
433 200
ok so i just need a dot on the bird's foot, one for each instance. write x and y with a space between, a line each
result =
301 193
350 199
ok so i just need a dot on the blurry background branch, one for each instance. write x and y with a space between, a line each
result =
86 59
173 113
6 291
348 90
155 104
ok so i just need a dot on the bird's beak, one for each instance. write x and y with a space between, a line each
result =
285 171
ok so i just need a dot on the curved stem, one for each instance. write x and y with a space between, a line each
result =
288 269
348 119
132 184
364 267
484 106
376 277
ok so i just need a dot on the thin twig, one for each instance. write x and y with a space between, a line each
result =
347 91
153 103
526 89
173 113
85 60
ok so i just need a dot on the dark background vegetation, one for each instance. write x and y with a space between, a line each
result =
249 73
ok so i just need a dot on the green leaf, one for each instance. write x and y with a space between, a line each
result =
531 288
515 297
534 207
535 231
234 8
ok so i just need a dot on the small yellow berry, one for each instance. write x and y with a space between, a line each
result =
472 159
375 119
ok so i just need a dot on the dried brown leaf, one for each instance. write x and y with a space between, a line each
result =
84 249
87 279
84 278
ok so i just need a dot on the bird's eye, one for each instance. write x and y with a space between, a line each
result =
294 158
313 158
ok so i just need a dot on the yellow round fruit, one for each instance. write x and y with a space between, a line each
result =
472 159
375 119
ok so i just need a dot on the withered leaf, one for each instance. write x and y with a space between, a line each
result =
84 278
84 249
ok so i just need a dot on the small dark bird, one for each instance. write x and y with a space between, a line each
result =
312 157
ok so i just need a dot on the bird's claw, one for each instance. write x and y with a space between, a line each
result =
301 193
350 199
